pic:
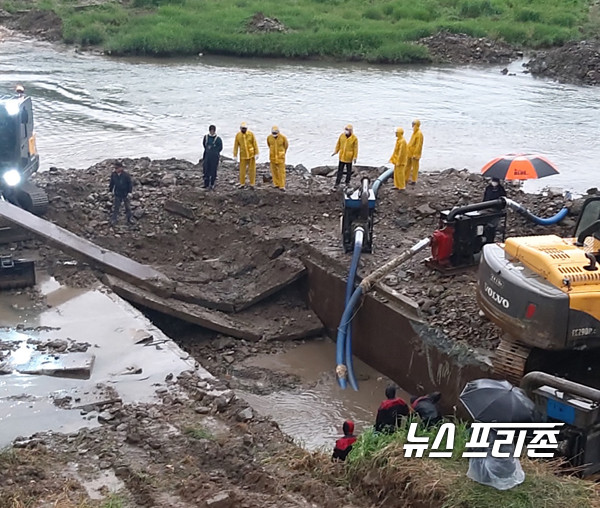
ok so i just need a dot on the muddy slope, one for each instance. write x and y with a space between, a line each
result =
193 450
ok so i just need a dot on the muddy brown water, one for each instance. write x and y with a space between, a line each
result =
313 413
89 108
122 368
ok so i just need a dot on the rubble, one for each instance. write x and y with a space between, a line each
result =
575 62
233 231
260 23
462 48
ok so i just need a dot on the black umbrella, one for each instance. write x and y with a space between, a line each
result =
493 401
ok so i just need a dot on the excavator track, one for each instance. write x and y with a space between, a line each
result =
509 360
33 199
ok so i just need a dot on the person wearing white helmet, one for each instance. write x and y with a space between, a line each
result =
245 143
278 146
20 90
399 159
347 147
415 148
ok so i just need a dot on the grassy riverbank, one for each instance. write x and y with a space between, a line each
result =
378 30
377 469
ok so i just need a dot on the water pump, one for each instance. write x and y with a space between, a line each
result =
359 210
462 233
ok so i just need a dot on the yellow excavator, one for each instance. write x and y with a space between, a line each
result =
543 292
18 154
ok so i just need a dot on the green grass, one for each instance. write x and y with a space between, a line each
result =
113 501
377 469
198 433
376 30
444 480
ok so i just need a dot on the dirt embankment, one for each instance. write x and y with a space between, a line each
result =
193 450
226 235
446 47
575 62
42 24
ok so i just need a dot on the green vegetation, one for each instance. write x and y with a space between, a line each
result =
377 468
114 501
375 30
198 433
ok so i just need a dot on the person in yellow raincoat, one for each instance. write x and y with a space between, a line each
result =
415 148
245 142
278 145
347 147
399 159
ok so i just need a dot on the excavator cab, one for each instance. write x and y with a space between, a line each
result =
18 155
588 223
543 292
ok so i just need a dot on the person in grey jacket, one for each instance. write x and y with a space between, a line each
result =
120 186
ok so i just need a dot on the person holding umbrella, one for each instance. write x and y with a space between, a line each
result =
494 401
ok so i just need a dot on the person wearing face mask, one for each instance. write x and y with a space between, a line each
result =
399 159
347 147
245 142
415 148
278 145
494 190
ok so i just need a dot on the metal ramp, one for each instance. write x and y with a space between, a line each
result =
106 260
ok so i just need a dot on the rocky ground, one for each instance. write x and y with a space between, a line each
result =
202 447
575 62
446 47
226 234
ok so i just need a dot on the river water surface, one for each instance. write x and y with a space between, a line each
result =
90 107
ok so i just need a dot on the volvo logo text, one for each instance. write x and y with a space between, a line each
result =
499 299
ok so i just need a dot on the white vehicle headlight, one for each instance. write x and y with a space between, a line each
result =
12 177
12 107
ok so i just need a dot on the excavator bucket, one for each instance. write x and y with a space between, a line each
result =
16 273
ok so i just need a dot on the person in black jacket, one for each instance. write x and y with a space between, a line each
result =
494 190
426 408
120 186
210 160
390 411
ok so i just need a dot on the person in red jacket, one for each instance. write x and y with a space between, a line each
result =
390 411
343 446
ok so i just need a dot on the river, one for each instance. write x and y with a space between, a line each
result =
89 108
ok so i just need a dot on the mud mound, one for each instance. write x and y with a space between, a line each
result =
575 62
260 23
42 24
462 48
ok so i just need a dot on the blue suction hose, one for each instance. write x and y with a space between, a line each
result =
520 209
358 241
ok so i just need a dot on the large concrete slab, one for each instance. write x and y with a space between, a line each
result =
263 321
195 314
106 260
132 358
241 292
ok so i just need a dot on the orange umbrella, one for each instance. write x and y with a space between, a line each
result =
519 167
